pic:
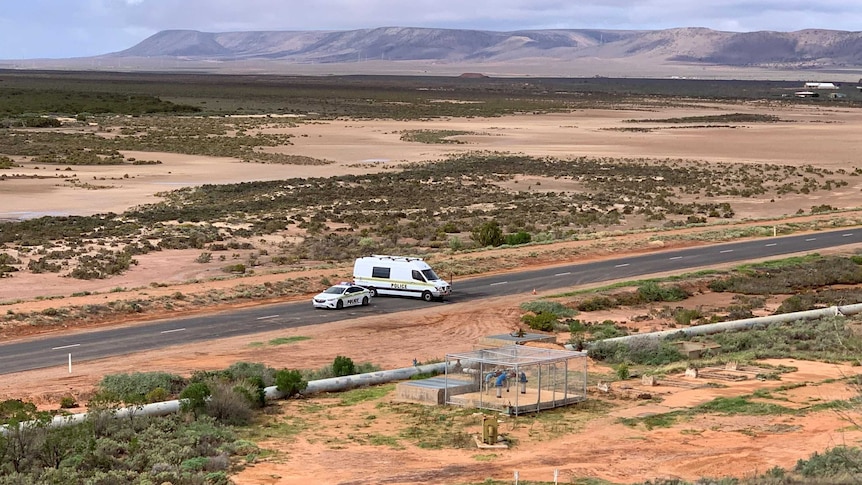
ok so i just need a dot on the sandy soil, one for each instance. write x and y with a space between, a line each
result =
602 448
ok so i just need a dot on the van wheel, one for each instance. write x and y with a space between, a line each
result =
339 305
364 301
427 296
373 291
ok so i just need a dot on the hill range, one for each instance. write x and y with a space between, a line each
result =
527 52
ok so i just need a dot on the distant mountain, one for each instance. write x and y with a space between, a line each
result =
805 49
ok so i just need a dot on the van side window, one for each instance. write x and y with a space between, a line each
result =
379 272
417 275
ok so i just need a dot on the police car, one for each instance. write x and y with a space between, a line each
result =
342 295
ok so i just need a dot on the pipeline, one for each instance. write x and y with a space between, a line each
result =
333 384
743 324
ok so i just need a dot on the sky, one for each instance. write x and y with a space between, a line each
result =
32 29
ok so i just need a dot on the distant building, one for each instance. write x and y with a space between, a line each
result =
820 86
837 95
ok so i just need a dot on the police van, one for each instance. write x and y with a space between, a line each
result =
399 276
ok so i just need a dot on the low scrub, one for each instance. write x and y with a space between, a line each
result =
642 351
792 276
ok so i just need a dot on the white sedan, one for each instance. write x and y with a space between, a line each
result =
342 295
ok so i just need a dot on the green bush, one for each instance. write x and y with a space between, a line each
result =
195 397
545 322
605 330
545 306
838 461
156 395
488 234
622 371
290 382
343 366
134 387
251 370
684 316
651 291
520 237
597 303
234 268
641 351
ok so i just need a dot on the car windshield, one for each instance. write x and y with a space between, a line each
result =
335 290
430 275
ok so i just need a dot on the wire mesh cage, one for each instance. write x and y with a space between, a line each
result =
516 379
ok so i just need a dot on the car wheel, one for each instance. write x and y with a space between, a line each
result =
373 291
339 305
364 301
427 296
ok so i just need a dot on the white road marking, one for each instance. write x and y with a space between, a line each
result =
847 235
676 257
811 239
621 265
65 347
726 251
771 244
266 317
499 283
563 274
174 330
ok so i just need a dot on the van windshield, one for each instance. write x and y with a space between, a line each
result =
430 275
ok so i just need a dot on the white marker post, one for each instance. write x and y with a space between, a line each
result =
556 475
70 362
516 477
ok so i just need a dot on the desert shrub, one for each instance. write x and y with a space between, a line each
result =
651 291
819 299
520 237
204 257
545 306
824 339
455 243
838 461
736 312
234 268
6 258
43 265
343 366
102 265
194 397
545 322
228 406
684 316
290 382
597 303
156 395
622 371
135 386
253 390
488 234
67 402
642 351
247 370
605 330
449 228
792 276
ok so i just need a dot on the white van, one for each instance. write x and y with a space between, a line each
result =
399 275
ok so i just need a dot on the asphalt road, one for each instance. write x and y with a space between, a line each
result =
53 351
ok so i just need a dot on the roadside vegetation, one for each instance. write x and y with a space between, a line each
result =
203 444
